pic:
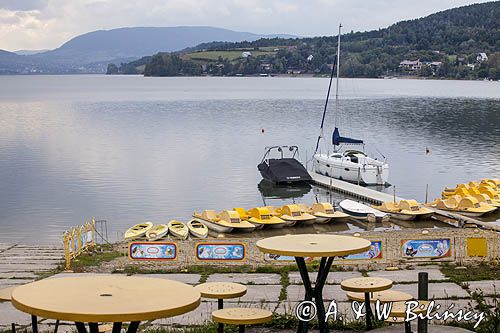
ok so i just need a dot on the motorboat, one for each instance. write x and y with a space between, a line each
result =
138 230
283 169
405 210
362 211
157 232
178 229
345 163
292 214
324 212
226 221
466 206
197 229
261 217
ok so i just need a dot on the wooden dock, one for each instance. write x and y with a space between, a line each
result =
353 190
369 195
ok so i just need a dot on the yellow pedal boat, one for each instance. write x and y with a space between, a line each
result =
261 217
197 229
138 230
324 212
405 210
293 214
225 222
178 229
157 232
466 206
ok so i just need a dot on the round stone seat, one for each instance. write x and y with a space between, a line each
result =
221 290
242 316
384 296
366 284
6 294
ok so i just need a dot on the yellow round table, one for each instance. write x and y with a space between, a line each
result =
95 299
313 245
366 285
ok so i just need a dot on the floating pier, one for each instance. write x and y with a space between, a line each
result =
377 197
352 190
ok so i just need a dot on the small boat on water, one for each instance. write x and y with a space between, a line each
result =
292 214
197 229
283 170
138 230
225 222
468 206
405 210
324 212
178 229
261 217
361 211
157 232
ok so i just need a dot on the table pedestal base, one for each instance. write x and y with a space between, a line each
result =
316 292
94 327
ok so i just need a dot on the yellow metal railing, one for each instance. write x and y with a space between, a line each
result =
78 240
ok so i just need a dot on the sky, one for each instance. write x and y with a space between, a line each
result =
46 24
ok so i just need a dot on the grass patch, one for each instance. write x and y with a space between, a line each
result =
95 257
479 272
285 282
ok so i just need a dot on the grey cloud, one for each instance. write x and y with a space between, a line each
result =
23 5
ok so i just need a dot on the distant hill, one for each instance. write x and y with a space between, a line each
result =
29 52
444 44
91 52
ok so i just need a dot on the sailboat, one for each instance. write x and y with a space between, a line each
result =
346 163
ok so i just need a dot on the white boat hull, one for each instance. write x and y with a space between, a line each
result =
216 227
362 212
367 171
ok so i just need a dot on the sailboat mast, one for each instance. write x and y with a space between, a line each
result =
338 64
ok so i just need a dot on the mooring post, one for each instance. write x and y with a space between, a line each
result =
423 295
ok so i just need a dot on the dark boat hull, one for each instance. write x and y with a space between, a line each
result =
284 171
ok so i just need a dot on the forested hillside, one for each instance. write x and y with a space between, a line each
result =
457 43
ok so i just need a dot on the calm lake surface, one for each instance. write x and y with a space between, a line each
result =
129 149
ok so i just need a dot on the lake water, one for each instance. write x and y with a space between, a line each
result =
128 148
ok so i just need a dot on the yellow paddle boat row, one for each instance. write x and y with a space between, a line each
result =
175 228
226 221
463 205
405 210
324 212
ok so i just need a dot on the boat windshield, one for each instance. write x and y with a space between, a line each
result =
329 211
235 220
354 152
336 155
295 213
265 217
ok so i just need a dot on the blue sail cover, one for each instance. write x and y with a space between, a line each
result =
337 139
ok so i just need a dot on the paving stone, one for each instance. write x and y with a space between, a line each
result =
4 283
489 287
186 278
17 275
295 293
63 327
409 275
244 278
436 290
258 294
332 278
10 315
197 317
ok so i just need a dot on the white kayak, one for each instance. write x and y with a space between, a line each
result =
361 211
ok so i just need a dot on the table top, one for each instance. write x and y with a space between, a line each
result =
366 284
384 296
313 245
6 294
221 290
105 298
242 316
399 308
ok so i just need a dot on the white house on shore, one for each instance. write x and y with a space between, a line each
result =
410 65
481 57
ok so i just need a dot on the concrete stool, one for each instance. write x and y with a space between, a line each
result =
221 291
399 311
242 317
384 296
6 296
366 285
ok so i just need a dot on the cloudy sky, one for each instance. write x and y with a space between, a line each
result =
41 24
